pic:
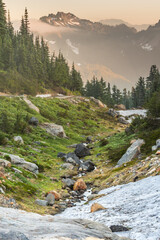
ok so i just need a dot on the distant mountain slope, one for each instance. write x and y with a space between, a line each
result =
101 50
114 22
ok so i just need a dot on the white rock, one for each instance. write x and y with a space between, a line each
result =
132 152
19 140
54 129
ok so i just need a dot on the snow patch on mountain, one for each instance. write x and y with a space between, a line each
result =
74 49
134 205
147 47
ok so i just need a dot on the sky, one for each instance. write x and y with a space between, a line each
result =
132 11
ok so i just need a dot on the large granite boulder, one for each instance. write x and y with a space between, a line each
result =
11 235
132 152
18 161
54 129
39 227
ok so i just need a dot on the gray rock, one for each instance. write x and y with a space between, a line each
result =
113 113
72 146
87 166
132 152
19 140
17 170
49 227
34 121
122 120
118 228
154 148
61 155
16 160
50 199
2 191
54 129
41 202
158 143
92 196
74 158
5 163
82 151
68 182
67 166
13 236
89 139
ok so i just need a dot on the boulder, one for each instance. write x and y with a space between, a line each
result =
5 163
154 148
72 158
19 140
118 228
132 152
33 121
79 185
54 129
98 102
96 207
67 166
41 202
16 160
13 236
56 195
89 139
82 151
122 120
50 199
120 107
87 166
68 182
61 155
113 113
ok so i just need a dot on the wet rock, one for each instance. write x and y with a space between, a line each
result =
19 140
32 167
68 182
118 228
50 199
82 151
33 121
54 129
13 236
96 207
87 166
132 152
79 185
41 202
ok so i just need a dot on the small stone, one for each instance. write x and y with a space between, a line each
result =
41 202
118 228
34 121
96 207
158 153
19 140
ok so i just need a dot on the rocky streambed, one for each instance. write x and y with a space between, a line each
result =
134 206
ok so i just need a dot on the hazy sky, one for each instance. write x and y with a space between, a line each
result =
133 11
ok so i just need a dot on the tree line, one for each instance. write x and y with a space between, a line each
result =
26 65
139 96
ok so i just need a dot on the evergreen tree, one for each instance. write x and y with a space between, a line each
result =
3 22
